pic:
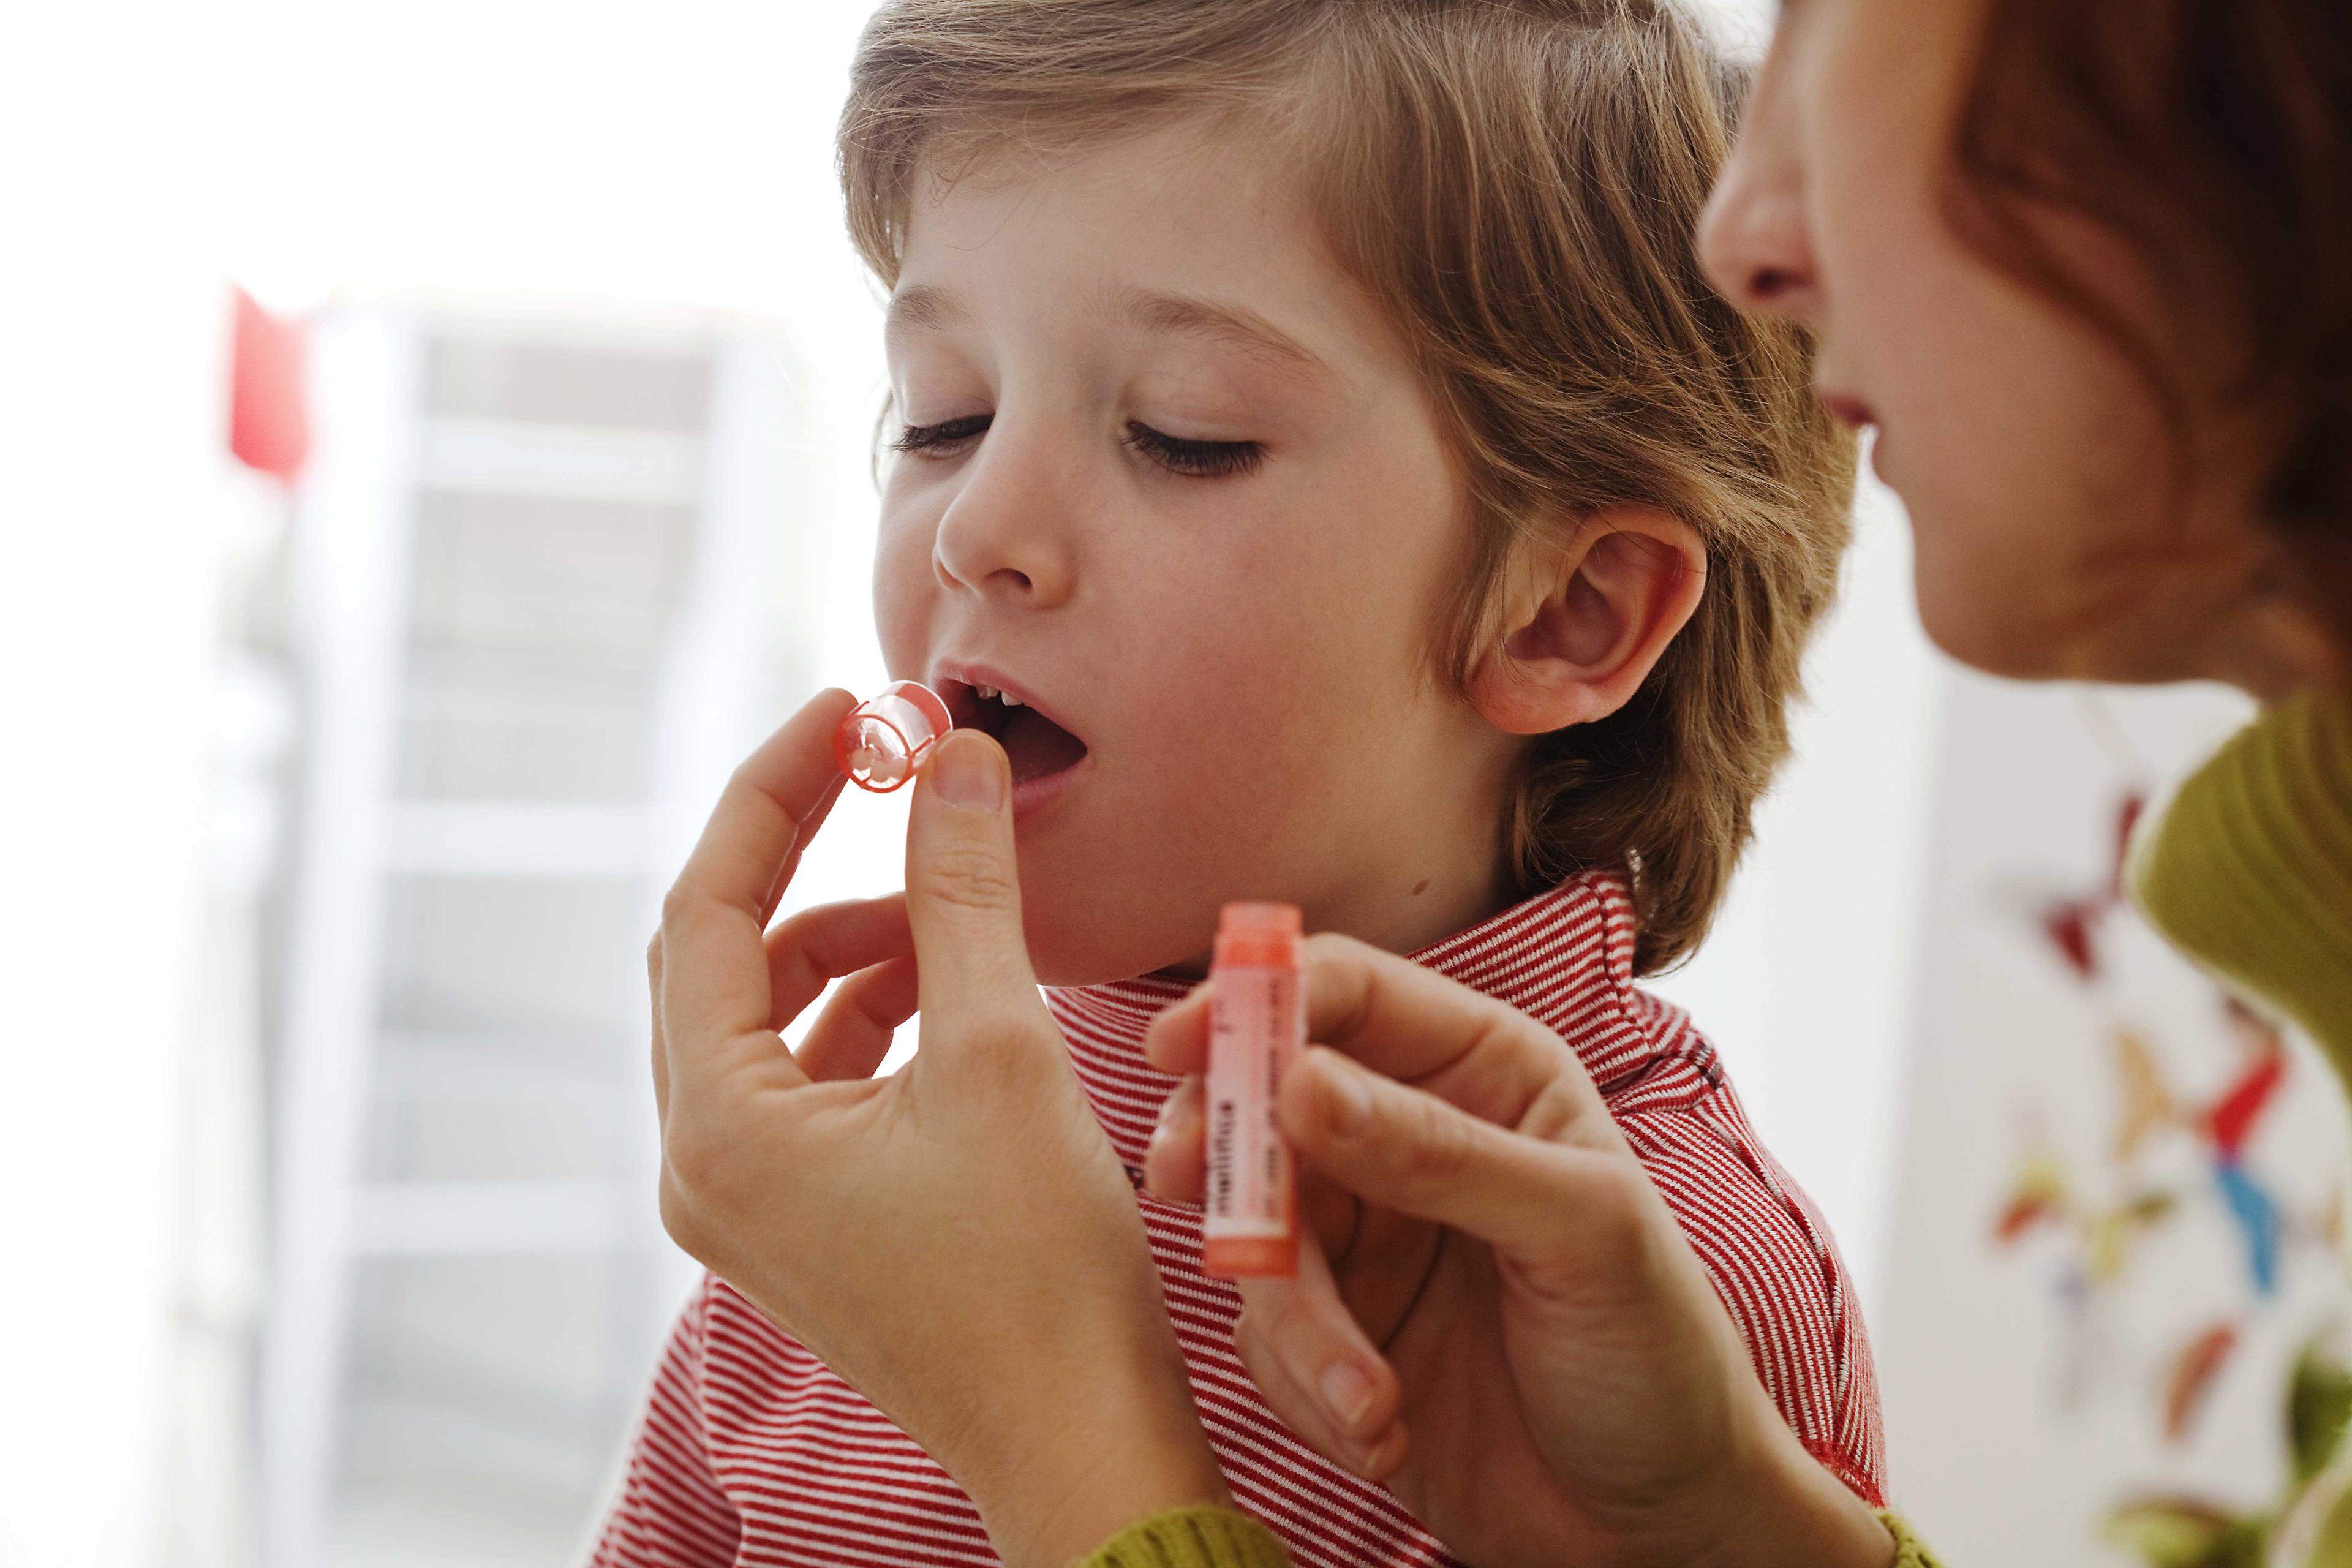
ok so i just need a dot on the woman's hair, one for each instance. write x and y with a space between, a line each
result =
1519 183
2215 137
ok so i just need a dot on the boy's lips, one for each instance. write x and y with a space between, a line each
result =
1045 755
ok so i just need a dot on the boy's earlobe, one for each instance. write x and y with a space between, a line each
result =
1584 627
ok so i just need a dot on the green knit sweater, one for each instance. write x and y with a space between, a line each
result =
2250 873
1206 1537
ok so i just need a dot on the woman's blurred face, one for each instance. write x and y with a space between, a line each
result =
2053 535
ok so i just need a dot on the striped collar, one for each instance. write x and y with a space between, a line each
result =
1564 957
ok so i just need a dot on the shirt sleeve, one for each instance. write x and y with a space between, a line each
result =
1201 1536
670 1511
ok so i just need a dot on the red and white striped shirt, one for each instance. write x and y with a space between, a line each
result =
751 1451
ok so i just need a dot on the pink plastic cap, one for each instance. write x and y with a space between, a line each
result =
884 741
1258 933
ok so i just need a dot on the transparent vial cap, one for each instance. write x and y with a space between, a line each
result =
886 738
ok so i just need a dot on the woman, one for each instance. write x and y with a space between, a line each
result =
2086 266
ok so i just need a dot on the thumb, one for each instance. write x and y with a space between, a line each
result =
963 891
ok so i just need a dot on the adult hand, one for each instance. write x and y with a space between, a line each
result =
1496 1314
958 1241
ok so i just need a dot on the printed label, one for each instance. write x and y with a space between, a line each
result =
1257 1024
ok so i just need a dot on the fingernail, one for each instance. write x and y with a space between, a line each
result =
966 771
1347 1395
1350 1105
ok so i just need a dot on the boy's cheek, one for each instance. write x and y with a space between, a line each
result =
902 595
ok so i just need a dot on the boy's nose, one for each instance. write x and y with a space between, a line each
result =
1753 240
1002 535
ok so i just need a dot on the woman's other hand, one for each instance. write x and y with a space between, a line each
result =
957 1241
1496 1313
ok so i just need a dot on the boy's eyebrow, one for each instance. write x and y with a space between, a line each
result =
927 307
922 309
1233 325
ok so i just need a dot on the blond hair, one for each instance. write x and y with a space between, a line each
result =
1519 183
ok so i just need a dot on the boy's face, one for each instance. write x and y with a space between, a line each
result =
1168 475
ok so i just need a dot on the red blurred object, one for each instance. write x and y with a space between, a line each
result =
2201 1361
2128 816
2072 927
2020 1215
269 426
2234 1115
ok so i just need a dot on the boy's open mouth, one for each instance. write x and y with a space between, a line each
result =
1037 747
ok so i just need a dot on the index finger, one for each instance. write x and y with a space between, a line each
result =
1412 1025
714 962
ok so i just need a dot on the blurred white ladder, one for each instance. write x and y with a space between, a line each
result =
717 688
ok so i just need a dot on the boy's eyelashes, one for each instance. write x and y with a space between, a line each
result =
1207 458
945 439
1178 454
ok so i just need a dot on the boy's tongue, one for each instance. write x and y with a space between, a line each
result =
1035 745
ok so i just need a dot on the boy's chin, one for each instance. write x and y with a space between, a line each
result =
1068 949
1062 957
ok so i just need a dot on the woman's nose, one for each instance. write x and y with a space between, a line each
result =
1753 240
1005 534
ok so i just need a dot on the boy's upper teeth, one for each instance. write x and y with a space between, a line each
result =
987 693
991 694
1008 700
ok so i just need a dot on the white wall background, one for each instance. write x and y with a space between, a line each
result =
110 409
2013 1421
677 153
1806 983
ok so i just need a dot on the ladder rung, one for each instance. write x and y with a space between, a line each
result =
422 1065
526 839
581 462
443 1219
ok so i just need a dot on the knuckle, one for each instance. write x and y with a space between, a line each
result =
1550 1115
1257 1352
971 877
1526 1040
796 927
1330 947
1283 1317
1501 1034
654 957
679 1220
1339 960
693 1160
1616 1214
1558 1114
1003 1049
675 905
1436 1142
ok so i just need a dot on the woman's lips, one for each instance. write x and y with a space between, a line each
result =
1848 410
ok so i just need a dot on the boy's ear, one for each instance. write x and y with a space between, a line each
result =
1582 627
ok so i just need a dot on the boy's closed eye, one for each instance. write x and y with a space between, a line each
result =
1178 454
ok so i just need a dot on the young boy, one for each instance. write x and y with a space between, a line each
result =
1320 464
